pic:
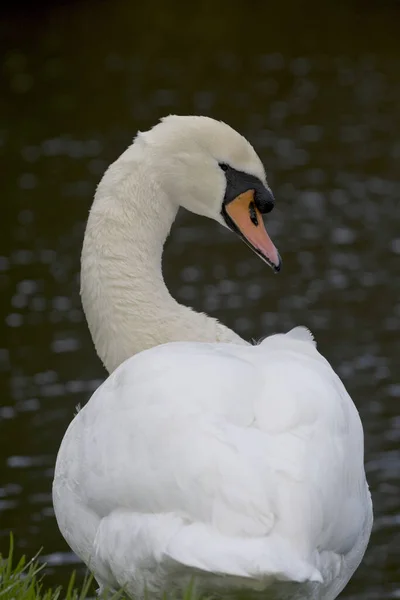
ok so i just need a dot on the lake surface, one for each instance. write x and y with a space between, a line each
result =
316 88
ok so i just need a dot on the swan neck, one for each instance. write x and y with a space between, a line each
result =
126 302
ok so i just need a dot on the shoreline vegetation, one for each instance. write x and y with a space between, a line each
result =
24 579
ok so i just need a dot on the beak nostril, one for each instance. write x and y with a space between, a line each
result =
253 213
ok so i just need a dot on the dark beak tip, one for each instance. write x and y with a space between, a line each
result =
277 268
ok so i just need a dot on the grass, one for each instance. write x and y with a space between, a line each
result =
25 580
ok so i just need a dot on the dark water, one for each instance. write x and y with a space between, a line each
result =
316 87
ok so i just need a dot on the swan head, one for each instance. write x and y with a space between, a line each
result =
213 171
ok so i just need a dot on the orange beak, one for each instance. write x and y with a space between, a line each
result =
243 216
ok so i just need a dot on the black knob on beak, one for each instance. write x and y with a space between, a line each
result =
264 200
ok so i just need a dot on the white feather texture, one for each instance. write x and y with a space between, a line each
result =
201 455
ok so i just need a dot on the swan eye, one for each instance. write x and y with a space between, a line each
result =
223 166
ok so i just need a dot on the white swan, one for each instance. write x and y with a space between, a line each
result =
203 455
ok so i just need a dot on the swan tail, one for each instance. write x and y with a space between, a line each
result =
265 558
144 549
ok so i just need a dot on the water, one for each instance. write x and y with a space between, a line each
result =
317 90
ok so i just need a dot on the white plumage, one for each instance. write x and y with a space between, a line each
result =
240 465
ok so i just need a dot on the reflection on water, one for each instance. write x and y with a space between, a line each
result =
320 105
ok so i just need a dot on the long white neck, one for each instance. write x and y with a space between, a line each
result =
126 302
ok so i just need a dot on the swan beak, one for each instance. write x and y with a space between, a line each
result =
244 218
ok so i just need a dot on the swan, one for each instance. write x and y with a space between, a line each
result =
202 457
